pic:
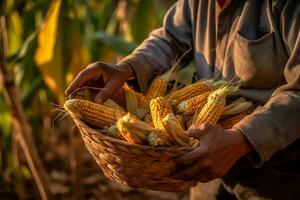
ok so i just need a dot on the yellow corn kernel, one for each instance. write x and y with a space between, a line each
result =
192 90
157 88
190 106
231 121
93 113
213 109
159 109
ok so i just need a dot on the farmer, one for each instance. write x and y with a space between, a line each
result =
258 43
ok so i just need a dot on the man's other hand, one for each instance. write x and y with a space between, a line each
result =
218 150
109 77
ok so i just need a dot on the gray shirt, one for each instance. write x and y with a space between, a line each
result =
255 42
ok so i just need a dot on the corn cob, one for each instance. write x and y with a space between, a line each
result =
138 132
182 120
173 127
231 121
134 130
131 99
214 107
190 106
159 109
176 131
157 88
191 91
93 113
137 94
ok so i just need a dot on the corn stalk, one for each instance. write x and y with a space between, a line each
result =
21 126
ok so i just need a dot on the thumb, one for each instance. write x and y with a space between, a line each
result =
100 98
196 131
111 87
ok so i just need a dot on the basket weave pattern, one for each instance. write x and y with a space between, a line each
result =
139 166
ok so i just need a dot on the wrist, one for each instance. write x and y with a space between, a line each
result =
242 144
127 69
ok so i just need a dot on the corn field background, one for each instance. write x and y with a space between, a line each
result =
44 44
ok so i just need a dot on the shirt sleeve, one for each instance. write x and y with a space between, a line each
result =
164 46
276 125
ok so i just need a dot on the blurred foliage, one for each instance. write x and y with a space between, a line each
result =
51 41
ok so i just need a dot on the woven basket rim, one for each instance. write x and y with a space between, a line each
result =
98 134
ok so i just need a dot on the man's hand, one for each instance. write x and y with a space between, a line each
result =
218 150
109 77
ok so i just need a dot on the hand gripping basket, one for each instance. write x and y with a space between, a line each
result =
139 166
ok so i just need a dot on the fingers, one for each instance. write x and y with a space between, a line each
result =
190 158
189 173
197 131
91 72
200 171
113 84
119 98
96 72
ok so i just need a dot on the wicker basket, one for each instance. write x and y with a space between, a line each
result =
134 165
139 166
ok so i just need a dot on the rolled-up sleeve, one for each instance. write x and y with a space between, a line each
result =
164 46
276 125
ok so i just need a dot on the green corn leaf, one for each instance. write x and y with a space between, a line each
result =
116 43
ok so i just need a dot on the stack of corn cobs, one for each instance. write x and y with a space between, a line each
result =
160 119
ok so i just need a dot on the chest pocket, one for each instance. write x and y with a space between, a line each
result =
255 61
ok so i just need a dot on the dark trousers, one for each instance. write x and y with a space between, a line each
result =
280 182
